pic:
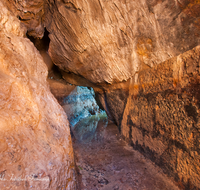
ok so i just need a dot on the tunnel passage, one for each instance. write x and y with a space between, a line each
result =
110 42
78 102
81 108
153 142
83 113
81 103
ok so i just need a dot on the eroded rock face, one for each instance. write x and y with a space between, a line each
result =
120 48
161 118
109 41
36 150
31 14
114 101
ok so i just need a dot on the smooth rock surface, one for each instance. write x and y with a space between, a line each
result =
60 89
35 144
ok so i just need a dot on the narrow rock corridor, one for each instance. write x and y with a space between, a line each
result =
106 162
70 67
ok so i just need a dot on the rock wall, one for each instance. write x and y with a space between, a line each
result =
30 13
161 117
113 45
114 100
121 48
109 41
36 150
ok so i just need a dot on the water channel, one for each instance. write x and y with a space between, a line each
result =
106 162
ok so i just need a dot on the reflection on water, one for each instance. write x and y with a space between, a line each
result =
106 162
86 129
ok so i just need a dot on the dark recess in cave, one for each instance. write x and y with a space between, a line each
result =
41 44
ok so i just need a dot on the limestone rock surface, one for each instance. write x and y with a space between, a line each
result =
35 143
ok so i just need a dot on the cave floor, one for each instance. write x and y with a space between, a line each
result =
106 162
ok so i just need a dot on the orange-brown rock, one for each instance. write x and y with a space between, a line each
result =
109 41
127 51
30 13
60 89
162 116
35 143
